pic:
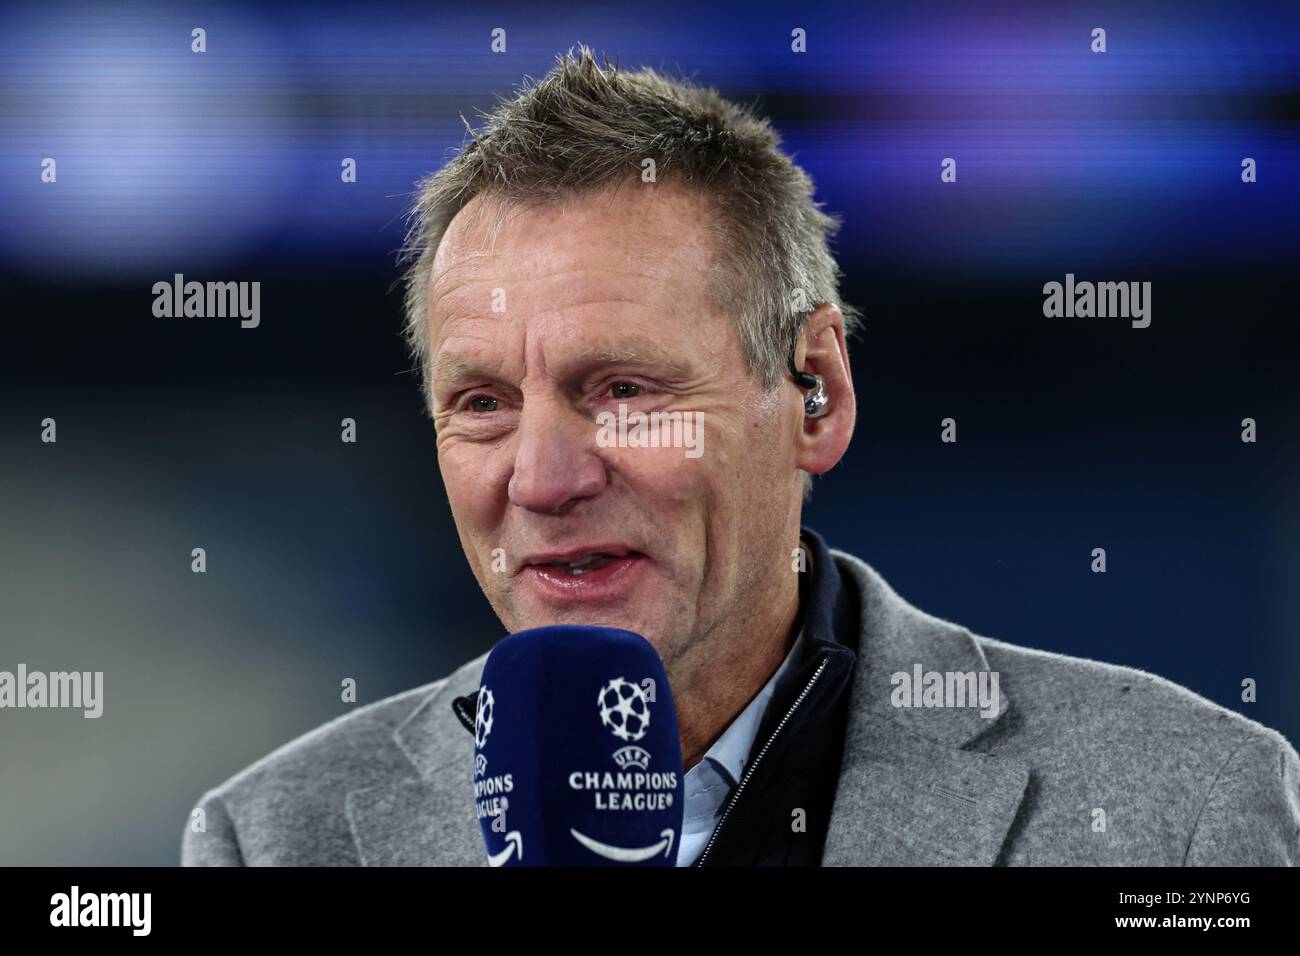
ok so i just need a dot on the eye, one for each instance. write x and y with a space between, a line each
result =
624 390
483 403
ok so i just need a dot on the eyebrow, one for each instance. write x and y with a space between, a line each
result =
449 367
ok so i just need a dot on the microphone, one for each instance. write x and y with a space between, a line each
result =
577 761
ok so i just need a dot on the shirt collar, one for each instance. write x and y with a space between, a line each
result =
731 751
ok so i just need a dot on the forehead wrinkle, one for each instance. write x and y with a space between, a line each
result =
635 353
607 288
462 250
464 270
452 366
644 250
472 258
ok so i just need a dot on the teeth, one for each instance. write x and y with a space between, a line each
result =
580 566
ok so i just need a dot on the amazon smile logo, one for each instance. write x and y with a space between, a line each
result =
627 854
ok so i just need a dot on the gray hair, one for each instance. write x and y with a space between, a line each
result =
586 126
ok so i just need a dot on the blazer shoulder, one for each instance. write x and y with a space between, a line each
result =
1199 783
1104 700
328 747
1191 780
1055 695
351 741
289 807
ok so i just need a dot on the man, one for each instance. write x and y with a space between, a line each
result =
612 244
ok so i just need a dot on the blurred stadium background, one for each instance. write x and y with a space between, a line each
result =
328 560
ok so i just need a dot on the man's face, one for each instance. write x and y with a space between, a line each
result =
568 311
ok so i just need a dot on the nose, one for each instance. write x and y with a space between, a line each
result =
556 459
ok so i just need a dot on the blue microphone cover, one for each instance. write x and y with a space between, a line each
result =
577 760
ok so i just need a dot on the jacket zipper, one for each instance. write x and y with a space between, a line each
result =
740 787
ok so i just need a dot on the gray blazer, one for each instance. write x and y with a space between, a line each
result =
1180 780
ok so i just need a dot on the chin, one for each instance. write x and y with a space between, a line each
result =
586 617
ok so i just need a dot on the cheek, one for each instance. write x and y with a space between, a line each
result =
735 464
663 479
747 454
475 496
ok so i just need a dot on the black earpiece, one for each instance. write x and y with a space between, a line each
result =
816 403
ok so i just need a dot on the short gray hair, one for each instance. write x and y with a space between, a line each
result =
586 126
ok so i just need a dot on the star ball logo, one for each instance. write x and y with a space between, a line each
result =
624 709
490 798
483 716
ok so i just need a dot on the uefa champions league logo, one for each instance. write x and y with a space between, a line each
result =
491 794
624 709
632 756
483 716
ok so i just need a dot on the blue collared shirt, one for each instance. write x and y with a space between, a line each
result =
710 782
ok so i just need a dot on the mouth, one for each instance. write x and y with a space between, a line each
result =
598 573
592 562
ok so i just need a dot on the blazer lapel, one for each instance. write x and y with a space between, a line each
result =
906 801
427 819
909 791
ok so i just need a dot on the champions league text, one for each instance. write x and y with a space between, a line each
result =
611 789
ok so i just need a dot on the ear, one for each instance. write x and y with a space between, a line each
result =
821 350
